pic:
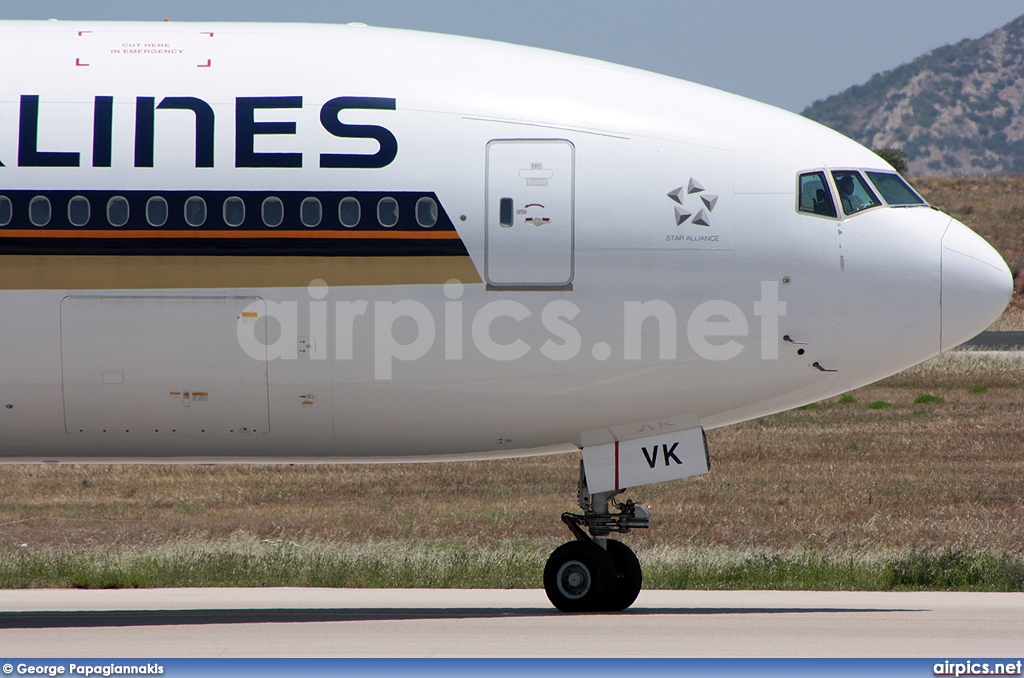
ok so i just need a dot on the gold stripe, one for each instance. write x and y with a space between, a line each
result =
52 272
253 235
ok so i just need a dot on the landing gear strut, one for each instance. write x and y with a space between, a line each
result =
594 573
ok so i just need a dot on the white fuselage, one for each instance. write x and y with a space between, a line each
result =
563 291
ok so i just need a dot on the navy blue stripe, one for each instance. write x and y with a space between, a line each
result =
299 245
256 247
214 202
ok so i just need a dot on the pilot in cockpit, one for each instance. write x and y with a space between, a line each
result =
851 203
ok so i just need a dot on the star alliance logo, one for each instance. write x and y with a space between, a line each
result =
703 215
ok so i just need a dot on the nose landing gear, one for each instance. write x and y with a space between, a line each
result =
594 573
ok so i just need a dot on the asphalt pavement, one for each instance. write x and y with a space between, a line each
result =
151 623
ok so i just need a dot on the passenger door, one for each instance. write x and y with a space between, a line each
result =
530 209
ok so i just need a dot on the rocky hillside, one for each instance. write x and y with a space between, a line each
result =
956 111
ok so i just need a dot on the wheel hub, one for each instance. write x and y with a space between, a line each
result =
573 580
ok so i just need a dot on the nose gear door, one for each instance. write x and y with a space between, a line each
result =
530 206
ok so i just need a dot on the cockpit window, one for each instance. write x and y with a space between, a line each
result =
854 193
894 190
815 198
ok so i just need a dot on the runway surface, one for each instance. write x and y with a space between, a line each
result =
458 623
1006 340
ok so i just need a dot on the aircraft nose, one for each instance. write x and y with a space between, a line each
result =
976 285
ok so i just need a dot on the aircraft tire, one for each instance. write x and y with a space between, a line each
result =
630 576
580 577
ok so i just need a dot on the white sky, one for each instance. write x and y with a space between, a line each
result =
784 52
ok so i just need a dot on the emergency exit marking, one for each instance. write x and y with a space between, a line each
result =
536 175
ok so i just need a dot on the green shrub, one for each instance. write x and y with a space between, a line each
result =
895 157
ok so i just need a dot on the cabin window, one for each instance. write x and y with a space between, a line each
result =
156 211
273 212
387 212
39 210
79 211
854 194
6 210
195 211
349 212
815 197
505 212
426 212
234 211
311 212
117 211
894 190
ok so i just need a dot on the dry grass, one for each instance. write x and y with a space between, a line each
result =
839 477
243 560
993 207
